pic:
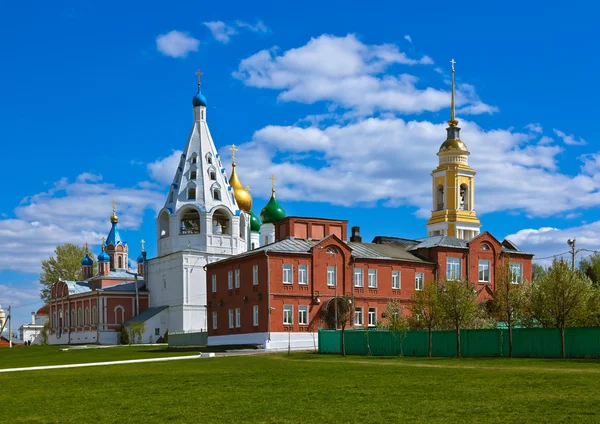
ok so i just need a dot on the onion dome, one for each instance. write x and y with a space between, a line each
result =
103 256
273 212
254 222
87 261
43 311
241 194
140 259
199 99
128 263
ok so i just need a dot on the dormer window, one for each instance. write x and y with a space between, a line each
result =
191 193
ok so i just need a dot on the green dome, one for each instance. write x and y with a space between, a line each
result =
273 212
254 222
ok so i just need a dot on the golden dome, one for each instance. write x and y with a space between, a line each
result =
452 144
242 196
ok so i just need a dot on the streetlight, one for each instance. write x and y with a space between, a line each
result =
572 243
137 297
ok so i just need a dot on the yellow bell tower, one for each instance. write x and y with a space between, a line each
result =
453 186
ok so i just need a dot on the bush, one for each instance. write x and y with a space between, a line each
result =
124 336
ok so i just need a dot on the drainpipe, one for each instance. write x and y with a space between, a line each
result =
268 296
98 317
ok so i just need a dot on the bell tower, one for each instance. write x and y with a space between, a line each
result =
453 186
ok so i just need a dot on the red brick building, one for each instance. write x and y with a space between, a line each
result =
277 294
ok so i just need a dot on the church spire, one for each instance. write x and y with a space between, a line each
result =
452 122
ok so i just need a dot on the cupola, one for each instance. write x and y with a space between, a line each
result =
241 193
272 212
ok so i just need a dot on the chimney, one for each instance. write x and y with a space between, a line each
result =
33 318
355 237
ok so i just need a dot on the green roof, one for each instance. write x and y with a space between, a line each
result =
273 212
254 222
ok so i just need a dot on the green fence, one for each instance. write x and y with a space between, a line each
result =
527 342
188 339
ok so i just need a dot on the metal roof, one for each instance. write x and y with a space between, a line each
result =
126 286
147 314
440 241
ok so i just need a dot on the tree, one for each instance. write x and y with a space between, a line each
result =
459 303
342 307
393 320
65 265
427 310
509 299
561 299
135 330
590 266
537 272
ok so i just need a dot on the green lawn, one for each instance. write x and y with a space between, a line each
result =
310 388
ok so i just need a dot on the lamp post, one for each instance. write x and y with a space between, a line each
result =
137 297
572 242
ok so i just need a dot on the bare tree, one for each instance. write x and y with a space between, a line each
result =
459 303
394 320
342 306
427 310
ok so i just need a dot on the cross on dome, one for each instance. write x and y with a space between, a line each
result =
143 243
199 74
452 62
273 182
233 150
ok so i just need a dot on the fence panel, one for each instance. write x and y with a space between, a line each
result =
188 339
476 343
582 342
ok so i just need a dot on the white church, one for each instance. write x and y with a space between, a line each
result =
206 217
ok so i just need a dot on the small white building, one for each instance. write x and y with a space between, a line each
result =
157 324
32 333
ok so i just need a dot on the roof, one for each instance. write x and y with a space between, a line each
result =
114 237
141 284
78 287
114 275
43 311
440 241
147 314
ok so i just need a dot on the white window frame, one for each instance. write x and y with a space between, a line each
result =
230 280
238 318
303 271
288 274
358 313
231 323
237 278
255 275
303 315
453 268
372 313
214 320
288 314
419 281
214 283
359 282
255 316
519 275
483 266
331 276
372 283
396 282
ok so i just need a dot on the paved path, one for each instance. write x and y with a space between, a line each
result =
95 364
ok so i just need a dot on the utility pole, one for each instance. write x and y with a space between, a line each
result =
572 243
9 327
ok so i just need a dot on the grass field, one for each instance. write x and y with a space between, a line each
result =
303 387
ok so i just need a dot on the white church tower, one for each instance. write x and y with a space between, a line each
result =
199 223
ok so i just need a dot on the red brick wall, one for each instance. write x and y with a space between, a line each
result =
313 228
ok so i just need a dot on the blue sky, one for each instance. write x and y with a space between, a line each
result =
345 103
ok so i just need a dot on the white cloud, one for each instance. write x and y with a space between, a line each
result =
258 27
569 139
163 170
176 44
408 38
535 127
350 74
221 31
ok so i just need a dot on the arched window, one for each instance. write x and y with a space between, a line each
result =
119 314
209 158
193 175
120 261
242 227
94 315
190 222
463 204
191 193
253 246
485 246
163 222
213 175
194 158
87 316
112 262
217 193
221 222
440 197
73 318
80 317
171 197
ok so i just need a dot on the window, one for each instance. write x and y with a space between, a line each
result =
372 317
396 280
287 274
255 316
164 222
331 277
237 278
214 320
288 315
94 315
157 332
372 278
220 222
303 274
120 261
231 318
217 194
484 271
440 197
238 316
358 316
230 280
213 176
419 281
214 283
303 315
193 175
464 198
485 247
190 222
358 277
453 269
191 193
209 158
194 159
516 273
164 283
255 275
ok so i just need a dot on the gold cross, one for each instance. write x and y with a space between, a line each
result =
143 242
103 243
86 247
248 189
452 62
199 73
114 203
233 150
273 181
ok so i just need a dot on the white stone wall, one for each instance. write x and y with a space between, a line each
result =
276 341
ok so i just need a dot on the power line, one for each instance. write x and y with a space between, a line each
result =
552 256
